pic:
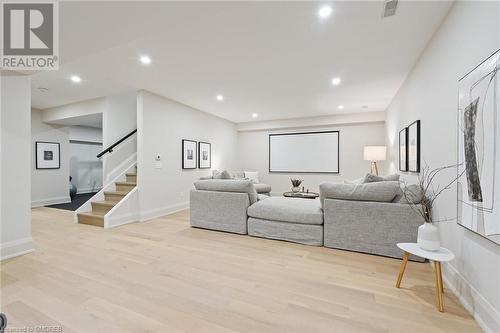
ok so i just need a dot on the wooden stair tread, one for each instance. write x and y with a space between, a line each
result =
126 183
93 214
104 203
91 218
124 193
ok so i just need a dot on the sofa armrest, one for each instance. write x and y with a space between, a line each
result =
224 211
370 227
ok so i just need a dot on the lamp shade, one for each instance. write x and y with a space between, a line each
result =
374 153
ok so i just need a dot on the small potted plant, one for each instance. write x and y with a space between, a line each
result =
421 198
296 185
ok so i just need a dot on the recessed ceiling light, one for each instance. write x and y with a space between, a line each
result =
340 107
76 79
336 81
325 11
254 115
145 60
220 97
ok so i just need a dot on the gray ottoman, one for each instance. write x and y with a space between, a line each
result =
290 219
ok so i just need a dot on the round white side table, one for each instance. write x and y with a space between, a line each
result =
439 256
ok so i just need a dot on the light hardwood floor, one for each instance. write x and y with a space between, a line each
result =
163 276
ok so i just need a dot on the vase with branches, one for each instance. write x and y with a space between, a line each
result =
421 198
296 184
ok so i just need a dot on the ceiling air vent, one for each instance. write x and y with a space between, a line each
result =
390 7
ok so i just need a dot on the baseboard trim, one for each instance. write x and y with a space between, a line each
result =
158 212
16 248
483 312
89 190
50 201
117 221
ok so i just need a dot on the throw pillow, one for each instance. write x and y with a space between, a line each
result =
371 178
221 175
253 176
238 174
392 178
411 194
355 181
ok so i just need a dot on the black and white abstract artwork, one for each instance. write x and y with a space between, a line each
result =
479 149
205 155
188 154
47 155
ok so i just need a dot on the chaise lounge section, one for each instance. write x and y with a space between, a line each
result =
290 219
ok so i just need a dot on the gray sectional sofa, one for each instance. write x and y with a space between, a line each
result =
362 217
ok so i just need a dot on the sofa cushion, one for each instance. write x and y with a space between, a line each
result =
228 185
262 188
309 234
293 210
371 178
262 196
379 191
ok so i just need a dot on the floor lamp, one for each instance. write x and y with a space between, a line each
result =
374 154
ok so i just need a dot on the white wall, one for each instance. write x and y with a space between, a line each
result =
85 134
119 119
15 161
470 33
162 124
74 110
84 167
253 155
49 186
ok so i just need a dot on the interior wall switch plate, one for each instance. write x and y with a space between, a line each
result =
158 164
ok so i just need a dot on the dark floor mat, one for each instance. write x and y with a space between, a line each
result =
79 200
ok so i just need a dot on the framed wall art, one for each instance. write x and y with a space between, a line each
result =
403 149
478 171
188 154
204 155
47 155
413 144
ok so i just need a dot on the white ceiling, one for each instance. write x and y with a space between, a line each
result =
271 58
89 120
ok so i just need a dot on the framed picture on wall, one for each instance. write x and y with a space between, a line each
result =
47 155
403 149
478 187
204 155
188 154
414 146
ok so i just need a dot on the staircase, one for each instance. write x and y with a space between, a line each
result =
111 198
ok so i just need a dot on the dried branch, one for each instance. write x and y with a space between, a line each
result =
428 192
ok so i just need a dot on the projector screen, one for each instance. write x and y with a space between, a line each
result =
313 152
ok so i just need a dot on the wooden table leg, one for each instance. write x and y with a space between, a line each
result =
402 269
439 286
